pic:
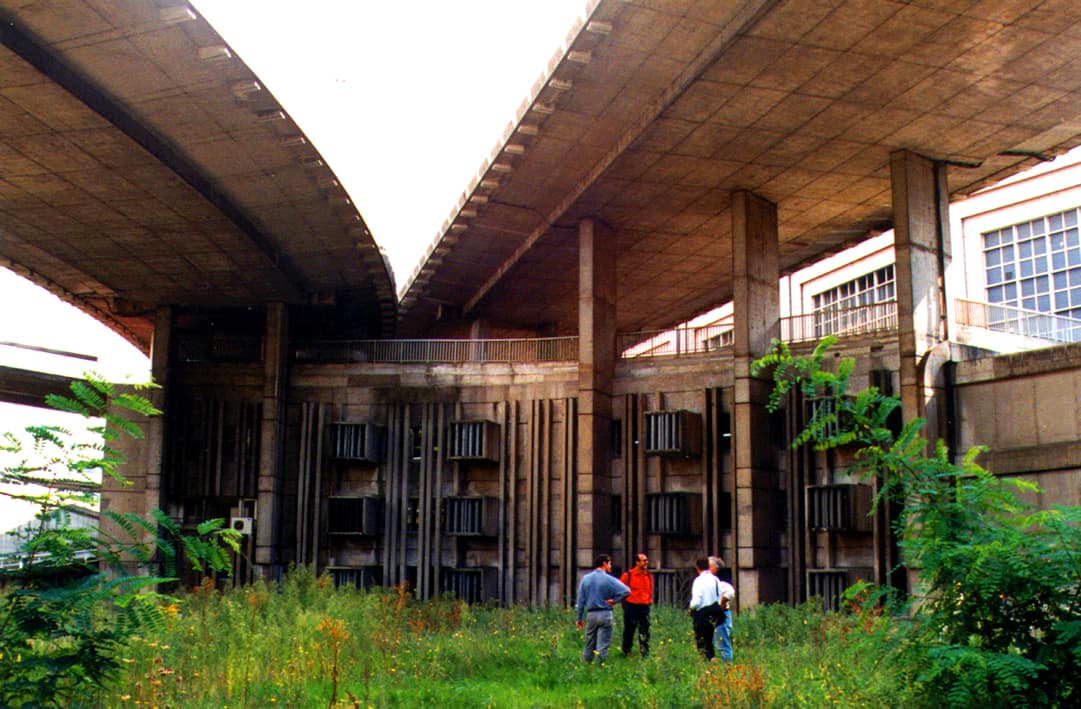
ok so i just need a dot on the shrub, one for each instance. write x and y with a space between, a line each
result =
999 621
65 624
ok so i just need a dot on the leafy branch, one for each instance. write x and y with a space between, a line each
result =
1000 621
65 622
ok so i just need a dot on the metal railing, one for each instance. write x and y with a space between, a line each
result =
1018 321
17 561
677 341
537 349
842 322
674 341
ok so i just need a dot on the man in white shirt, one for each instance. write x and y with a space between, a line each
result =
706 609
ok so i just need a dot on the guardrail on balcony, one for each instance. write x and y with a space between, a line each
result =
1018 321
537 349
864 320
674 341
17 561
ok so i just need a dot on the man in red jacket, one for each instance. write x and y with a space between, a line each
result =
636 606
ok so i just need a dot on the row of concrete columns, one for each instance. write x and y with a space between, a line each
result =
920 201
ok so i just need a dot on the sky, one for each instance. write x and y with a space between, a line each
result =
404 100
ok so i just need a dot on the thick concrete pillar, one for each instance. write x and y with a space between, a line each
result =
145 457
759 525
921 245
268 520
596 367
160 358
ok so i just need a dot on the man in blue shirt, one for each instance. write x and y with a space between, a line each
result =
598 591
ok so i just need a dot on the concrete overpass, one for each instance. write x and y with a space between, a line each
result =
145 165
142 164
656 112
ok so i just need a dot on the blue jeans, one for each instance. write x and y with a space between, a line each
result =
722 637
598 635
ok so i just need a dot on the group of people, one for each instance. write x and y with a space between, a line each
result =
598 593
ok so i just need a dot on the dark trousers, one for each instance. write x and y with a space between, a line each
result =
636 616
703 634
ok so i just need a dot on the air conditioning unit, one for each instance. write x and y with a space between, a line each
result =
829 584
471 516
357 441
839 508
241 525
360 516
676 434
472 585
473 440
674 513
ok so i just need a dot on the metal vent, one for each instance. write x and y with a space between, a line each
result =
672 588
829 584
470 585
357 441
674 433
361 577
361 516
674 513
473 440
471 516
820 409
839 508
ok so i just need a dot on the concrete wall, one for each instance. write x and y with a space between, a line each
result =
1024 408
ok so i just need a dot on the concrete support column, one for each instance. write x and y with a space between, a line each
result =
921 245
596 367
759 525
145 457
480 329
160 358
268 509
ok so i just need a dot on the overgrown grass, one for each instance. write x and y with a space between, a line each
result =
306 644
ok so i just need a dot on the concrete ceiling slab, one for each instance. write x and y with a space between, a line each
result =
801 102
133 168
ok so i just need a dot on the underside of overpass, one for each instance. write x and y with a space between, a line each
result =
676 155
657 112
142 165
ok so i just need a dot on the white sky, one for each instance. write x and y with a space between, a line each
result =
403 99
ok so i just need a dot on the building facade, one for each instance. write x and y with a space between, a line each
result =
673 157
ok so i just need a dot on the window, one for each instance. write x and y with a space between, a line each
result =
845 307
1036 265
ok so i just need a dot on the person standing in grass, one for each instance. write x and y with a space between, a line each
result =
722 634
705 605
636 606
598 591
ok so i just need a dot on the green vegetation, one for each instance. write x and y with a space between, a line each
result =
306 644
996 620
998 611
63 622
